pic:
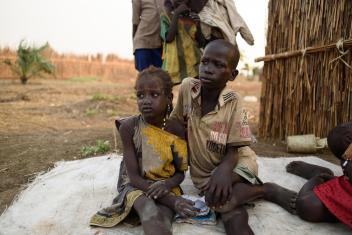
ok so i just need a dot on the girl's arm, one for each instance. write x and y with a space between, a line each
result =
171 34
130 157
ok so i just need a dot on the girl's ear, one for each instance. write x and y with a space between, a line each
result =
171 97
234 74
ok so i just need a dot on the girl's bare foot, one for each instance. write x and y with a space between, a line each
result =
306 170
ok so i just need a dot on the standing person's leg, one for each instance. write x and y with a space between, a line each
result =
236 222
154 218
156 57
142 59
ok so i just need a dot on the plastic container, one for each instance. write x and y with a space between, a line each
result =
305 143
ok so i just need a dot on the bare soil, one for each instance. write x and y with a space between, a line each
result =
47 121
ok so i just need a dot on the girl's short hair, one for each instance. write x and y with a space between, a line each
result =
340 138
153 71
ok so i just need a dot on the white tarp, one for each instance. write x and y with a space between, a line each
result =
62 201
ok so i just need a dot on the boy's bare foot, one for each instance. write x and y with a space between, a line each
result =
280 196
306 170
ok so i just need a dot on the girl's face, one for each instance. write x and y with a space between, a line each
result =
151 99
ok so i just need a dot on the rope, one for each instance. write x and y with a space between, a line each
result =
339 46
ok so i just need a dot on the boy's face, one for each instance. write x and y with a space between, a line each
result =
216 67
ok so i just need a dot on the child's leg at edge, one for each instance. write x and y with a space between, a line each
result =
308 205
236 222
155 218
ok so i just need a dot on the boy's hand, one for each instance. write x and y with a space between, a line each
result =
157 190
182 8
185 208
219 190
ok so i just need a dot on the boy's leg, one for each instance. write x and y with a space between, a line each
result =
243 193
236 222
154 219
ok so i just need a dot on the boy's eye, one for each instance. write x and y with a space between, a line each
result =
155 94
220 65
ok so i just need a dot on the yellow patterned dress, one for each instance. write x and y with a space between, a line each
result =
160 154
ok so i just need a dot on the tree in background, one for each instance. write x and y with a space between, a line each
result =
30 62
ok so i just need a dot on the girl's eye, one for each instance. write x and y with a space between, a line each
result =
140 96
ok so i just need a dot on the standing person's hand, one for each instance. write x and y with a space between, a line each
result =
219 189
195 17
182 8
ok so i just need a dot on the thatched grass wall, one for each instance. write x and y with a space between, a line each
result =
307 88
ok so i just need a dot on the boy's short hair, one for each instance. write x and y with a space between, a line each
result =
340 138
231 48
160 73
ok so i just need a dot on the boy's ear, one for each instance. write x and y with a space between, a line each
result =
234 74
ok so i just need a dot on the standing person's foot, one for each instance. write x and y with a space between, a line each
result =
306 170
280 196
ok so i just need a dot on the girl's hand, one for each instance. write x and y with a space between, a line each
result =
182 8
347 170
157 190
185 208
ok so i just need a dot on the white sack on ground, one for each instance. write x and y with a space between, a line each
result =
62 201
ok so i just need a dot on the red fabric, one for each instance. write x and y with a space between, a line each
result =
336 194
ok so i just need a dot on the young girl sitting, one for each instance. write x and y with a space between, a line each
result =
154 160
182 40
326 198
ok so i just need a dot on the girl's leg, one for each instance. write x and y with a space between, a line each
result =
236 222
306 170
153 219
308 205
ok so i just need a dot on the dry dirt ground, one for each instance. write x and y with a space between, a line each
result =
47 121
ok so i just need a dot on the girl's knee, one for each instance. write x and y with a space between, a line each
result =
309 208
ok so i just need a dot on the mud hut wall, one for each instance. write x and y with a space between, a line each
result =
310 93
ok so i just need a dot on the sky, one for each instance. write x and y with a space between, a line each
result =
99 26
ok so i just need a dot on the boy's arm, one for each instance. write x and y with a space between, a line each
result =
129 156
136 13
220 185
219 189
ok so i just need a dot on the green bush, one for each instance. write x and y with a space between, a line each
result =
100 147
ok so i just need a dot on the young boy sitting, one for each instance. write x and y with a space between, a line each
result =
222 166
